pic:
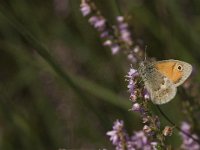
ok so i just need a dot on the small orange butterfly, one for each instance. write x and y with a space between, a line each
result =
161 78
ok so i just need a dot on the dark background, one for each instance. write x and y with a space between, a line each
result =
60 88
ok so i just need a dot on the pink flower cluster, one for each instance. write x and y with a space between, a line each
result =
133 87
121 140
115 40
188 143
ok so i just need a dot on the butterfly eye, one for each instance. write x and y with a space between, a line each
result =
180 68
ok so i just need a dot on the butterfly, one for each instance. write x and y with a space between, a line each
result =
161 78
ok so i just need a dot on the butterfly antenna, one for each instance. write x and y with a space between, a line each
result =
145 54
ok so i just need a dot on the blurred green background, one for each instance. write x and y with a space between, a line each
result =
60 88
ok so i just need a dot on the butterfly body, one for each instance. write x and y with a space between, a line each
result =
161 78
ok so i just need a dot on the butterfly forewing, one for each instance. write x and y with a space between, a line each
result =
169 68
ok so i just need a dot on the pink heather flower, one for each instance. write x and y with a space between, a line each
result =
154 144
132 72
146 94
140 141
125 34
118 125
93 20
114 134
118 135
136 49
120 18
132 58
98 22
104 34
136 107
123 26
131 83
146 129
115 49
188 143
121 140
185 127
133 97
85 8
132 88
107 43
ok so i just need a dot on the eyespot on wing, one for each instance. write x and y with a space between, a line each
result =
171 69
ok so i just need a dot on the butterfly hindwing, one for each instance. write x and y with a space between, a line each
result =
160 88
164 94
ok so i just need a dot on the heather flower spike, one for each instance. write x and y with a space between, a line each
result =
116 37
134 87
140 141
121 140
118 135
140 99
85 8
125 34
